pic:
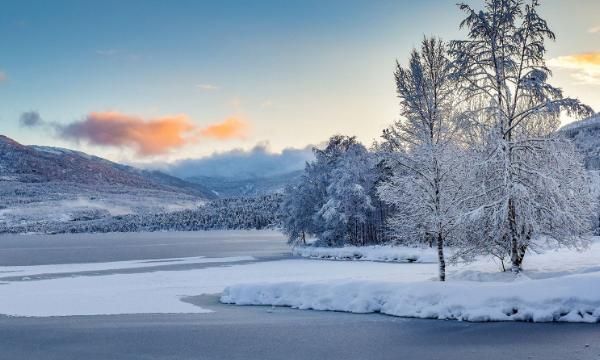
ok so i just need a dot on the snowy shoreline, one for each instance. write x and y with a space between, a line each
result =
384 253
555 286
573 298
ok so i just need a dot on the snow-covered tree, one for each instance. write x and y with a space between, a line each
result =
427 185
298 210
336 199
530 182
349 208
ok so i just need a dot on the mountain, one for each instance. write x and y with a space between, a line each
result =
174 183
585 134
227 187
42 164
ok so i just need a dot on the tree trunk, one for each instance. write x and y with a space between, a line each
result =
515 257
441 259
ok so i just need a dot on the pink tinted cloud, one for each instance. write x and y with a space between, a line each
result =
147 137
231 128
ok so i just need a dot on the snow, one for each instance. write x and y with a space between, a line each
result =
369 253
593 120
163 291
573 299
557 285
50 150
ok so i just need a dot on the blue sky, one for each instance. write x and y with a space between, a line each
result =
295 72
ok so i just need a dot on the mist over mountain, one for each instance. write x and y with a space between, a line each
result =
258 162
232 187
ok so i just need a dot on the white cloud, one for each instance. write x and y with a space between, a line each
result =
256 162
584 67
207 87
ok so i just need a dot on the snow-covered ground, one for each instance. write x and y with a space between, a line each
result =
94 207
556 286
162 291
402 254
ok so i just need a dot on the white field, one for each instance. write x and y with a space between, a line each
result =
161 291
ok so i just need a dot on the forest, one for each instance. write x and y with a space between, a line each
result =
261 212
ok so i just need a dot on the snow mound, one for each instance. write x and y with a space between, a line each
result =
402 254
573 298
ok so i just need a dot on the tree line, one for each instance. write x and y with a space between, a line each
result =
261 212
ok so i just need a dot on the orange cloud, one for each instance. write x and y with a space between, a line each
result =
229 129
585 67
146 136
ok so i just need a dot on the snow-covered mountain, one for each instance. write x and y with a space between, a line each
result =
41 164
43 185
47 189
586 136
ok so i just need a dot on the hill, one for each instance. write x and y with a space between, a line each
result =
41 185
586 137
42 164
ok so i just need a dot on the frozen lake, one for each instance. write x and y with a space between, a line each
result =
77 248
151 274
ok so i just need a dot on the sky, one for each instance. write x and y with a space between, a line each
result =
158 81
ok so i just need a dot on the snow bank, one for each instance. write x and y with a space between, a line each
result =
402 254
574 298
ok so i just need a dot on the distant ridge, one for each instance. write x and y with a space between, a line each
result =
226 187
585 134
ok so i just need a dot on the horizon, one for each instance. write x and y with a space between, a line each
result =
195 74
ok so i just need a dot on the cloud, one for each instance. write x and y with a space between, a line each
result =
3 76
231 128
207 87
147 137
107 52
30 119
257 162
585 67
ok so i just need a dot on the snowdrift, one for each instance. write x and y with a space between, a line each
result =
574 298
